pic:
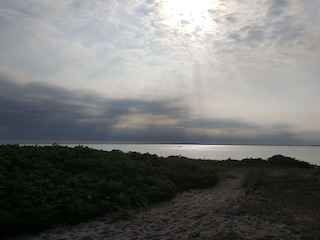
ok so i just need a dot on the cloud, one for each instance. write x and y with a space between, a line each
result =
277 7
42 112
222 124
39 112
287 30
230 19
313 9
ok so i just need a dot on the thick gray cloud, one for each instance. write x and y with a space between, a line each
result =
222 124
277 7
39 112
43 113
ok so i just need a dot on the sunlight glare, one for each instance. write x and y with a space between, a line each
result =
188 15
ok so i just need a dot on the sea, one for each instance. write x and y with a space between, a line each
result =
310 154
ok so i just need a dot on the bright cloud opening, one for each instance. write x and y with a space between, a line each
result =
188 15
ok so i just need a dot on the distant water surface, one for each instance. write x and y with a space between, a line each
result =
309 154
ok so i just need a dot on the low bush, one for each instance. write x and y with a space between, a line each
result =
279 160
288 196
43 187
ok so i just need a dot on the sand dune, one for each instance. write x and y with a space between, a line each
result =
196 214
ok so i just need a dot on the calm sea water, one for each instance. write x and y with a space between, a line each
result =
309 154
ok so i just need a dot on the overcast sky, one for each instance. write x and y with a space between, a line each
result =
219 71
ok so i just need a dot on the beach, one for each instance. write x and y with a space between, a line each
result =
213 213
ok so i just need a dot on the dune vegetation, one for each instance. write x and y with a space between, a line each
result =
279 190
49 186
44 187
286 191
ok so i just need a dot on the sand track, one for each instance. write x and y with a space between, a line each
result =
196 214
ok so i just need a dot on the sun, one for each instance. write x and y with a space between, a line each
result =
188 14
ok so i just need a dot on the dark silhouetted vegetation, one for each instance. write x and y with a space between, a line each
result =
43 187
281 190
279 160
285 191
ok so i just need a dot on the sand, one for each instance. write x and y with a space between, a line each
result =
195 214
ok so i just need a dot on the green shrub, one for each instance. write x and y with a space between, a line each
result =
279 160
42 187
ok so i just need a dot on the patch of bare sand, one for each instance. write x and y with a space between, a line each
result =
196 214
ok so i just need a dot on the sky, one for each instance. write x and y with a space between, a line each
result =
160 71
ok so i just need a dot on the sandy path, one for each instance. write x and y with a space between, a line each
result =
197 214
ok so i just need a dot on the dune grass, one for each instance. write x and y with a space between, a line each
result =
280 189
285 191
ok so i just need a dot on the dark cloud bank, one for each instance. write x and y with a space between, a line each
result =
38 113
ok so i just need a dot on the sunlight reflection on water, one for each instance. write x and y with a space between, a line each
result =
216 152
